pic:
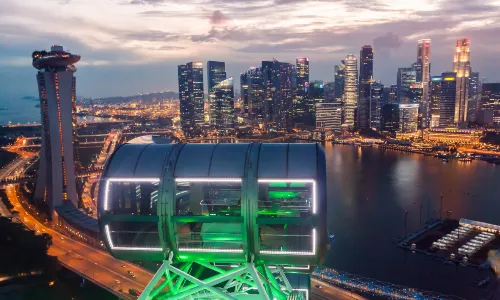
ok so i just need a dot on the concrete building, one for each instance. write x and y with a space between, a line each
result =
423 58
222 105
350 97
329 117
56 180
447 99
191 96
461 66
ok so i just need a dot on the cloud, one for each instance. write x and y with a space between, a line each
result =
150 2
217 18
387 41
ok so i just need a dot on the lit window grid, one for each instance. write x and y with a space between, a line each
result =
287 180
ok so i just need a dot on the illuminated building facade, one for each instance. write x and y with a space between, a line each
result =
279 93
329 91
408 118
216 73
302 104
222 105
56 181
461 66
447 99
253 83
474 96
339 83
365 82
350 98
376 103
407 78
435 95
191 96
453 136
268 72
424 59
329 116
244 94
490 103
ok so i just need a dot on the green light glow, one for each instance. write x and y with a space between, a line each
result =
282 195
277 184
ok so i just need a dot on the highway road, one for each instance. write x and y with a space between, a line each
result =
327 291
93 263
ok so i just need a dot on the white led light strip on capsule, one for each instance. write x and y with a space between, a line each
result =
108 236
130 180
276 252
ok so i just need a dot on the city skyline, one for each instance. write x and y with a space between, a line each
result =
237 33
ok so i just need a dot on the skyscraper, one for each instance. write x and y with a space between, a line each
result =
461 66
283 98
376 103
252 86
301 102
268 72
216 73
435 94
339 82
424 59
389 119
56 181
191 96
244 94
408 118
365 81
222 105
474 96
329 116
490 104
447 99
407 77
329 91
350 97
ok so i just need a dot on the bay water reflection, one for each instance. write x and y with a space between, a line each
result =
369 190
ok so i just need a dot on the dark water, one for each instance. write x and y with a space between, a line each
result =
369 190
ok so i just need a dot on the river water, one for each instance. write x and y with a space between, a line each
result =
369 190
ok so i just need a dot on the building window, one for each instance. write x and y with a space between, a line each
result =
136 198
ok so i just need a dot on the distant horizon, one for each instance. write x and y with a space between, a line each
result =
133 46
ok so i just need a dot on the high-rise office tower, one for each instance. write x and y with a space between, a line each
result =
350 97
424 59
376 103
435 94
315 95
391 94
417 67
283 98
329 116
252 82
191 96
407 78
389 119
365 81
489 113
339 82
461 66
56 181
222 105
447 99
329 91
268 72
216 72
244 94
301 103
474 95
408 117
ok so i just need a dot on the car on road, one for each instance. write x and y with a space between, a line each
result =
123 266
62 238
118 281
318 286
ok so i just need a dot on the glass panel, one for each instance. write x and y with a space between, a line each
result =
134 234
136 198
289 238
209 236
208 198
285 199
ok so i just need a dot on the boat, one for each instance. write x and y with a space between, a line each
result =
445 160
465 159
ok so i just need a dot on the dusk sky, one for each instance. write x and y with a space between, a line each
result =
134 46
